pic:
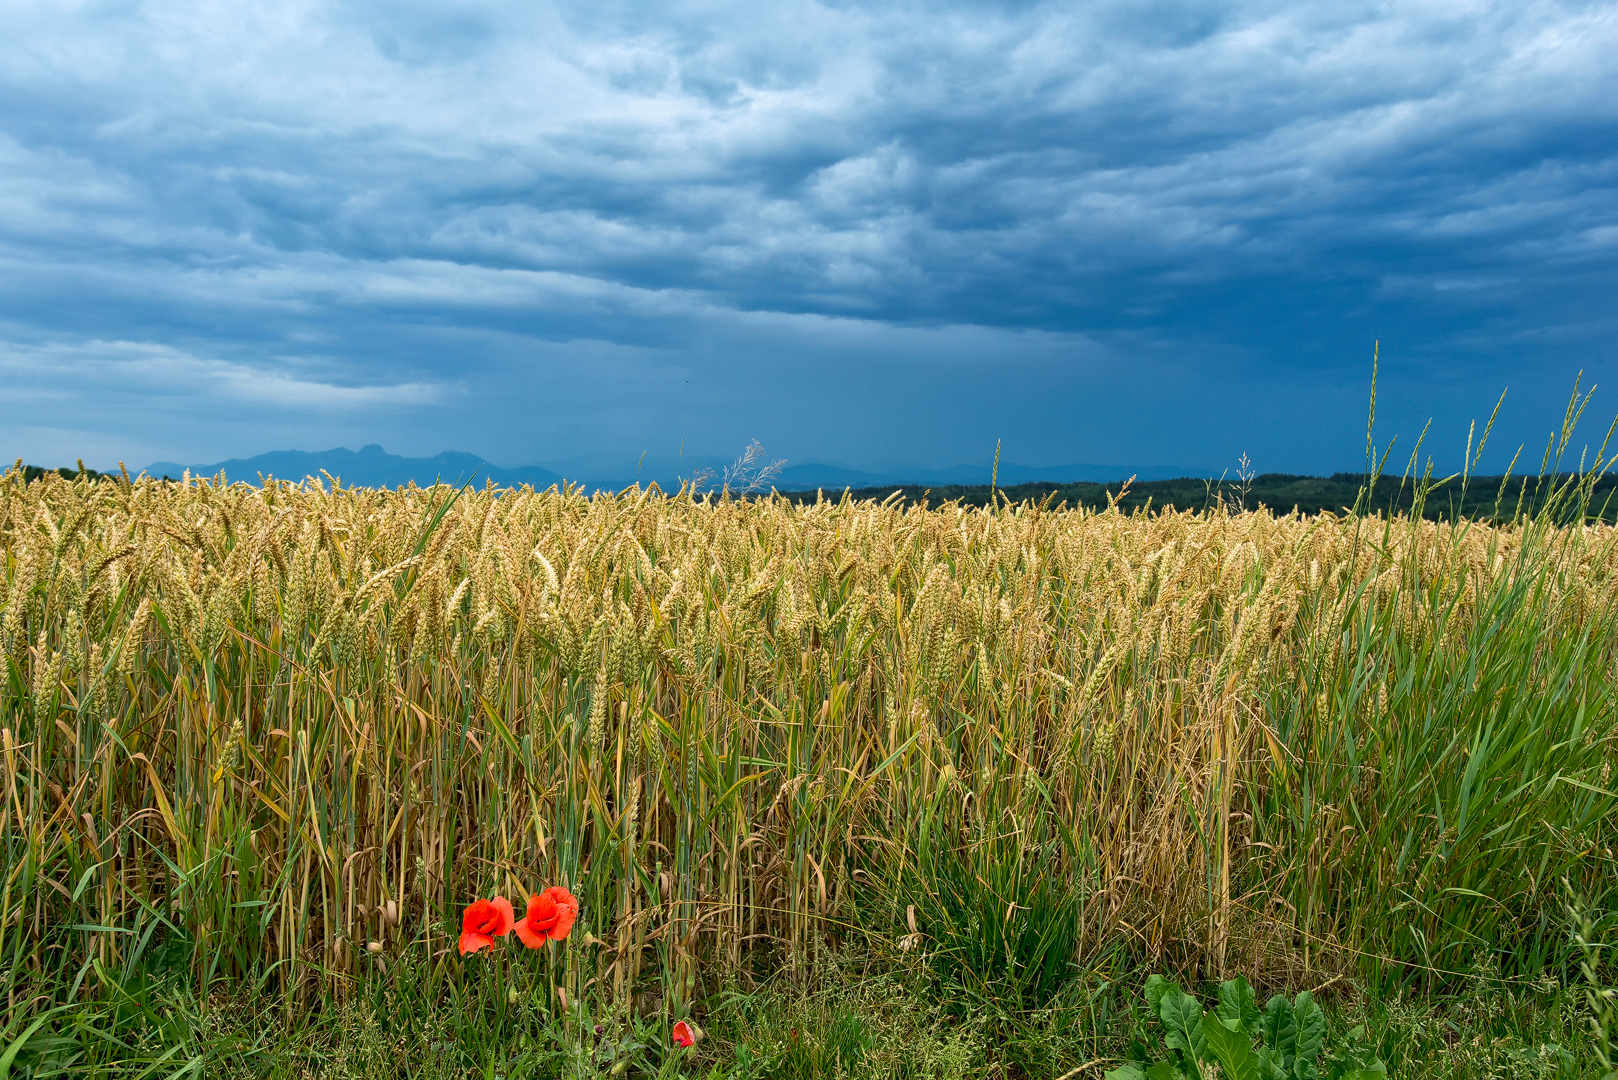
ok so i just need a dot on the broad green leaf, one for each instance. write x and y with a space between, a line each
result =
1377 1072
1164 1070
1269 1065
1278 1031
1311 1032
1130 1071
1237 1004
1182 1017
1156 987
1229 1046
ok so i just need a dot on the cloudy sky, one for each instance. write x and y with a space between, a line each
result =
1132 232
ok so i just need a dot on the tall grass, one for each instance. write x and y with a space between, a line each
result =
249 731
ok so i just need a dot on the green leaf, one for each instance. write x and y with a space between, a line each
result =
1269 1065
1237 1004
1229 1046
1163 1070
1311 1032
1182 1016
1156 987
1130 1071
1278 1031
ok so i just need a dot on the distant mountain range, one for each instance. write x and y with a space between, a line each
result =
372 466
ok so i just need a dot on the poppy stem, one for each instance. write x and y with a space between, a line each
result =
550 973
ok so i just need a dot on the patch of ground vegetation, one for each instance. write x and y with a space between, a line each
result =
855 1018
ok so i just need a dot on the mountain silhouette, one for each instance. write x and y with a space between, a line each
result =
370 466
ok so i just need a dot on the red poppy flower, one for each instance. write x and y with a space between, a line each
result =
550 917
483 921
683 1035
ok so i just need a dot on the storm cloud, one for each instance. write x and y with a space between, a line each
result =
869 234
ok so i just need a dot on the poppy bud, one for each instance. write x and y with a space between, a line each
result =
511 995
374 947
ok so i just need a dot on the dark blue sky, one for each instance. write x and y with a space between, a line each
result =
1129 232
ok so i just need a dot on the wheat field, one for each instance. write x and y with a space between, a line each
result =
289 730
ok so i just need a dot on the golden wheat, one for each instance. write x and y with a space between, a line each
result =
297 718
